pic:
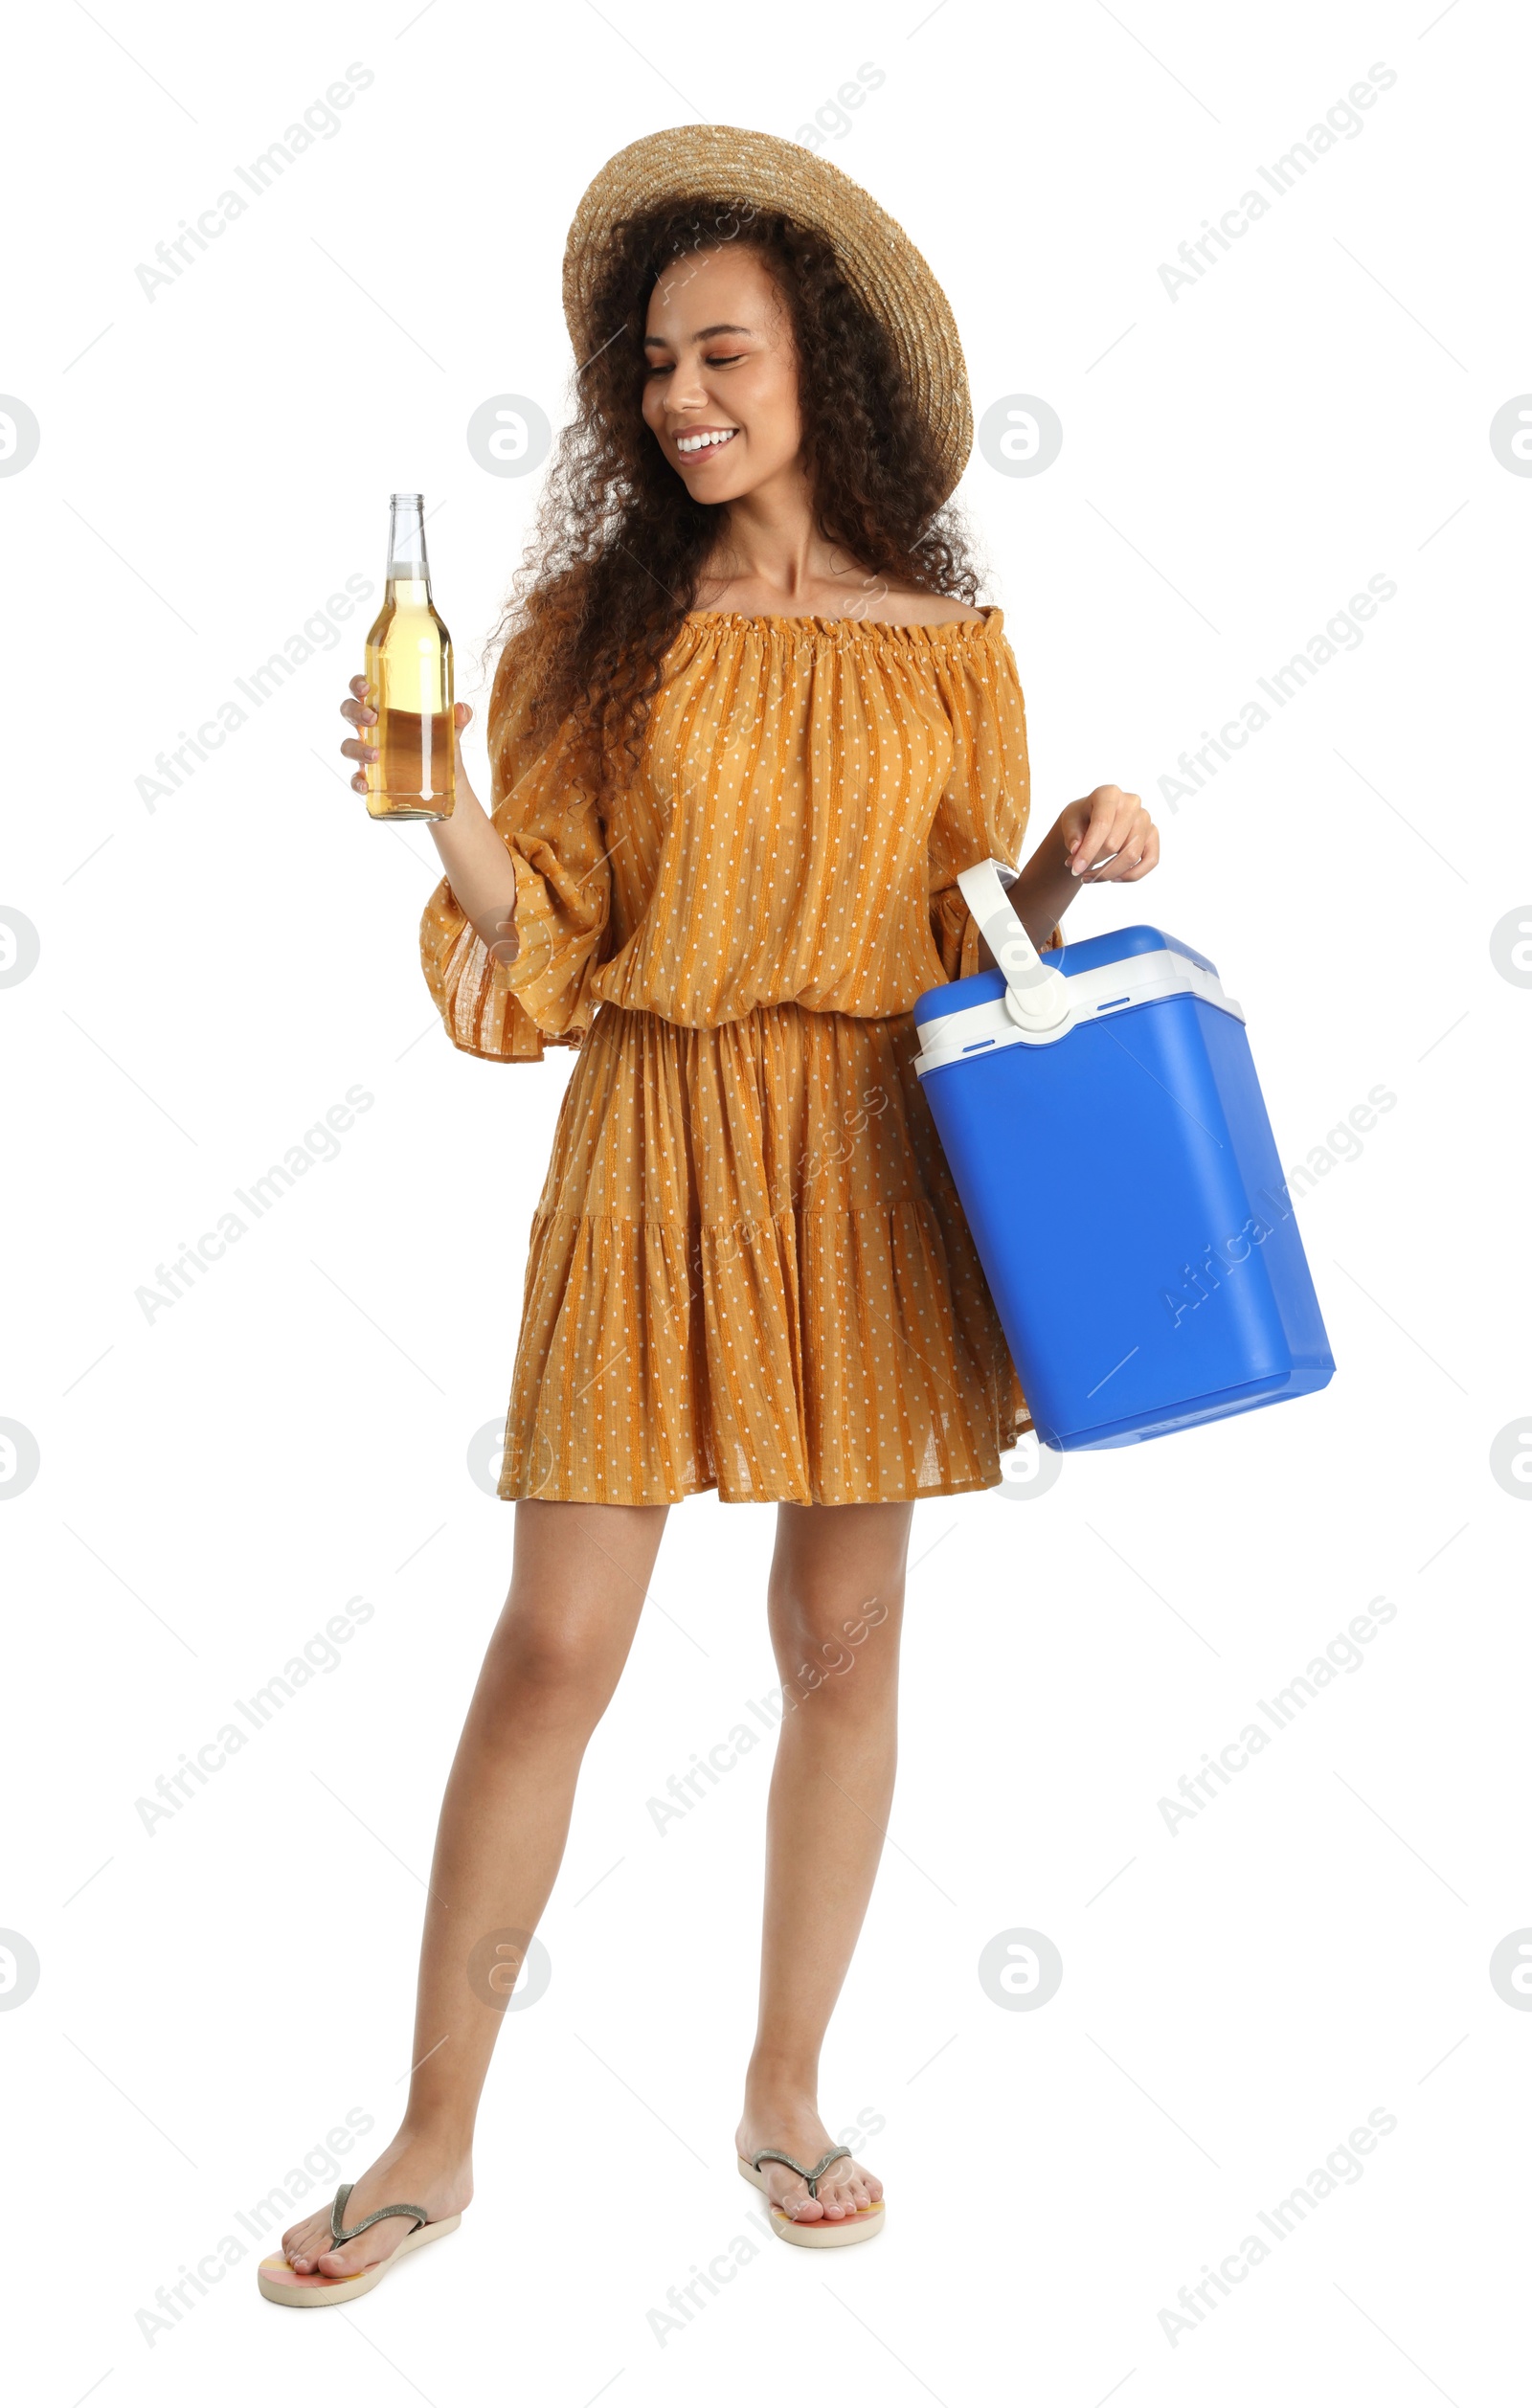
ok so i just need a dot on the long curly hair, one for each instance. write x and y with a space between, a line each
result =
617 553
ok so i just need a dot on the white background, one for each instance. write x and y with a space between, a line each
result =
216 1482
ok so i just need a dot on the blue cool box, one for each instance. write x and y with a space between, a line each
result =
1119 1176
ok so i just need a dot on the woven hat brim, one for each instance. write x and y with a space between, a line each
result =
880 262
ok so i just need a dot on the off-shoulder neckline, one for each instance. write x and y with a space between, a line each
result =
990 624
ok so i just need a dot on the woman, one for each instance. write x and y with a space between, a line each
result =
746 731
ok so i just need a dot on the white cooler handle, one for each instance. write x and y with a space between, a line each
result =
1037 996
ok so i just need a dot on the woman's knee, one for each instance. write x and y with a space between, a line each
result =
837 1580
833 1637
550 1664
581 1576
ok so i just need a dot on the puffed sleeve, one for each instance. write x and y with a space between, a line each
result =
985 806
553 831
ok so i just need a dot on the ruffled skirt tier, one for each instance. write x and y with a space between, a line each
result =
749 1271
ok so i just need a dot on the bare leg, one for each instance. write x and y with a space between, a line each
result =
836 1601
580 1578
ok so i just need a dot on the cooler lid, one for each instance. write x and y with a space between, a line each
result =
1101 978
1033 999
1092 953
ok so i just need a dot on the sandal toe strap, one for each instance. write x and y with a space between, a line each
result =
811 2173
338 2231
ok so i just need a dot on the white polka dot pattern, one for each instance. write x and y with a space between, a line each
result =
749 1268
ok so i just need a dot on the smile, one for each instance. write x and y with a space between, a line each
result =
708 438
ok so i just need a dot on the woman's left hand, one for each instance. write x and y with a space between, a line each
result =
1108 836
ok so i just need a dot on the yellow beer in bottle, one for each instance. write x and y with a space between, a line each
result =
409 683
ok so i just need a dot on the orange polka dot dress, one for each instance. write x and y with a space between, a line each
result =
747 1269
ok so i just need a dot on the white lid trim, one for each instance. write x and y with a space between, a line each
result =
1116 986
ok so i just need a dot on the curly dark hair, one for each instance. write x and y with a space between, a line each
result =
615 558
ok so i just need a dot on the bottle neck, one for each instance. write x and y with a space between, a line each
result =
407 560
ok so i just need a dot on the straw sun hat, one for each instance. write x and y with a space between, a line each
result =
730 163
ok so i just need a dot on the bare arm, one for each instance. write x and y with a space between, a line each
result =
479 869
1106 837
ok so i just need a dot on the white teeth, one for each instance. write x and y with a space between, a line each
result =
699 442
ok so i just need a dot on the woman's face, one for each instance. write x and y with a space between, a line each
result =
722 364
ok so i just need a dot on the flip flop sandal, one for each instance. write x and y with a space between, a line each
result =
829 2232
284 2284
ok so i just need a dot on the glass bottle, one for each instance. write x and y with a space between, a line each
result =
409 683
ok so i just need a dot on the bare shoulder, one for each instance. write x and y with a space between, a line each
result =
914 609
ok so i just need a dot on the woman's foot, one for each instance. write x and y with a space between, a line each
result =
791 2122
414 2168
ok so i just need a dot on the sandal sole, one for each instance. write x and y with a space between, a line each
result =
844 2233
285 2288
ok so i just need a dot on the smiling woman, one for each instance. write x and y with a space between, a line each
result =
754 367
718 317
747 730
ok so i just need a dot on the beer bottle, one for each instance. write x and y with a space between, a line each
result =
409 683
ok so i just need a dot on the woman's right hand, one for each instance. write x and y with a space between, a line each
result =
360 747
478 867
